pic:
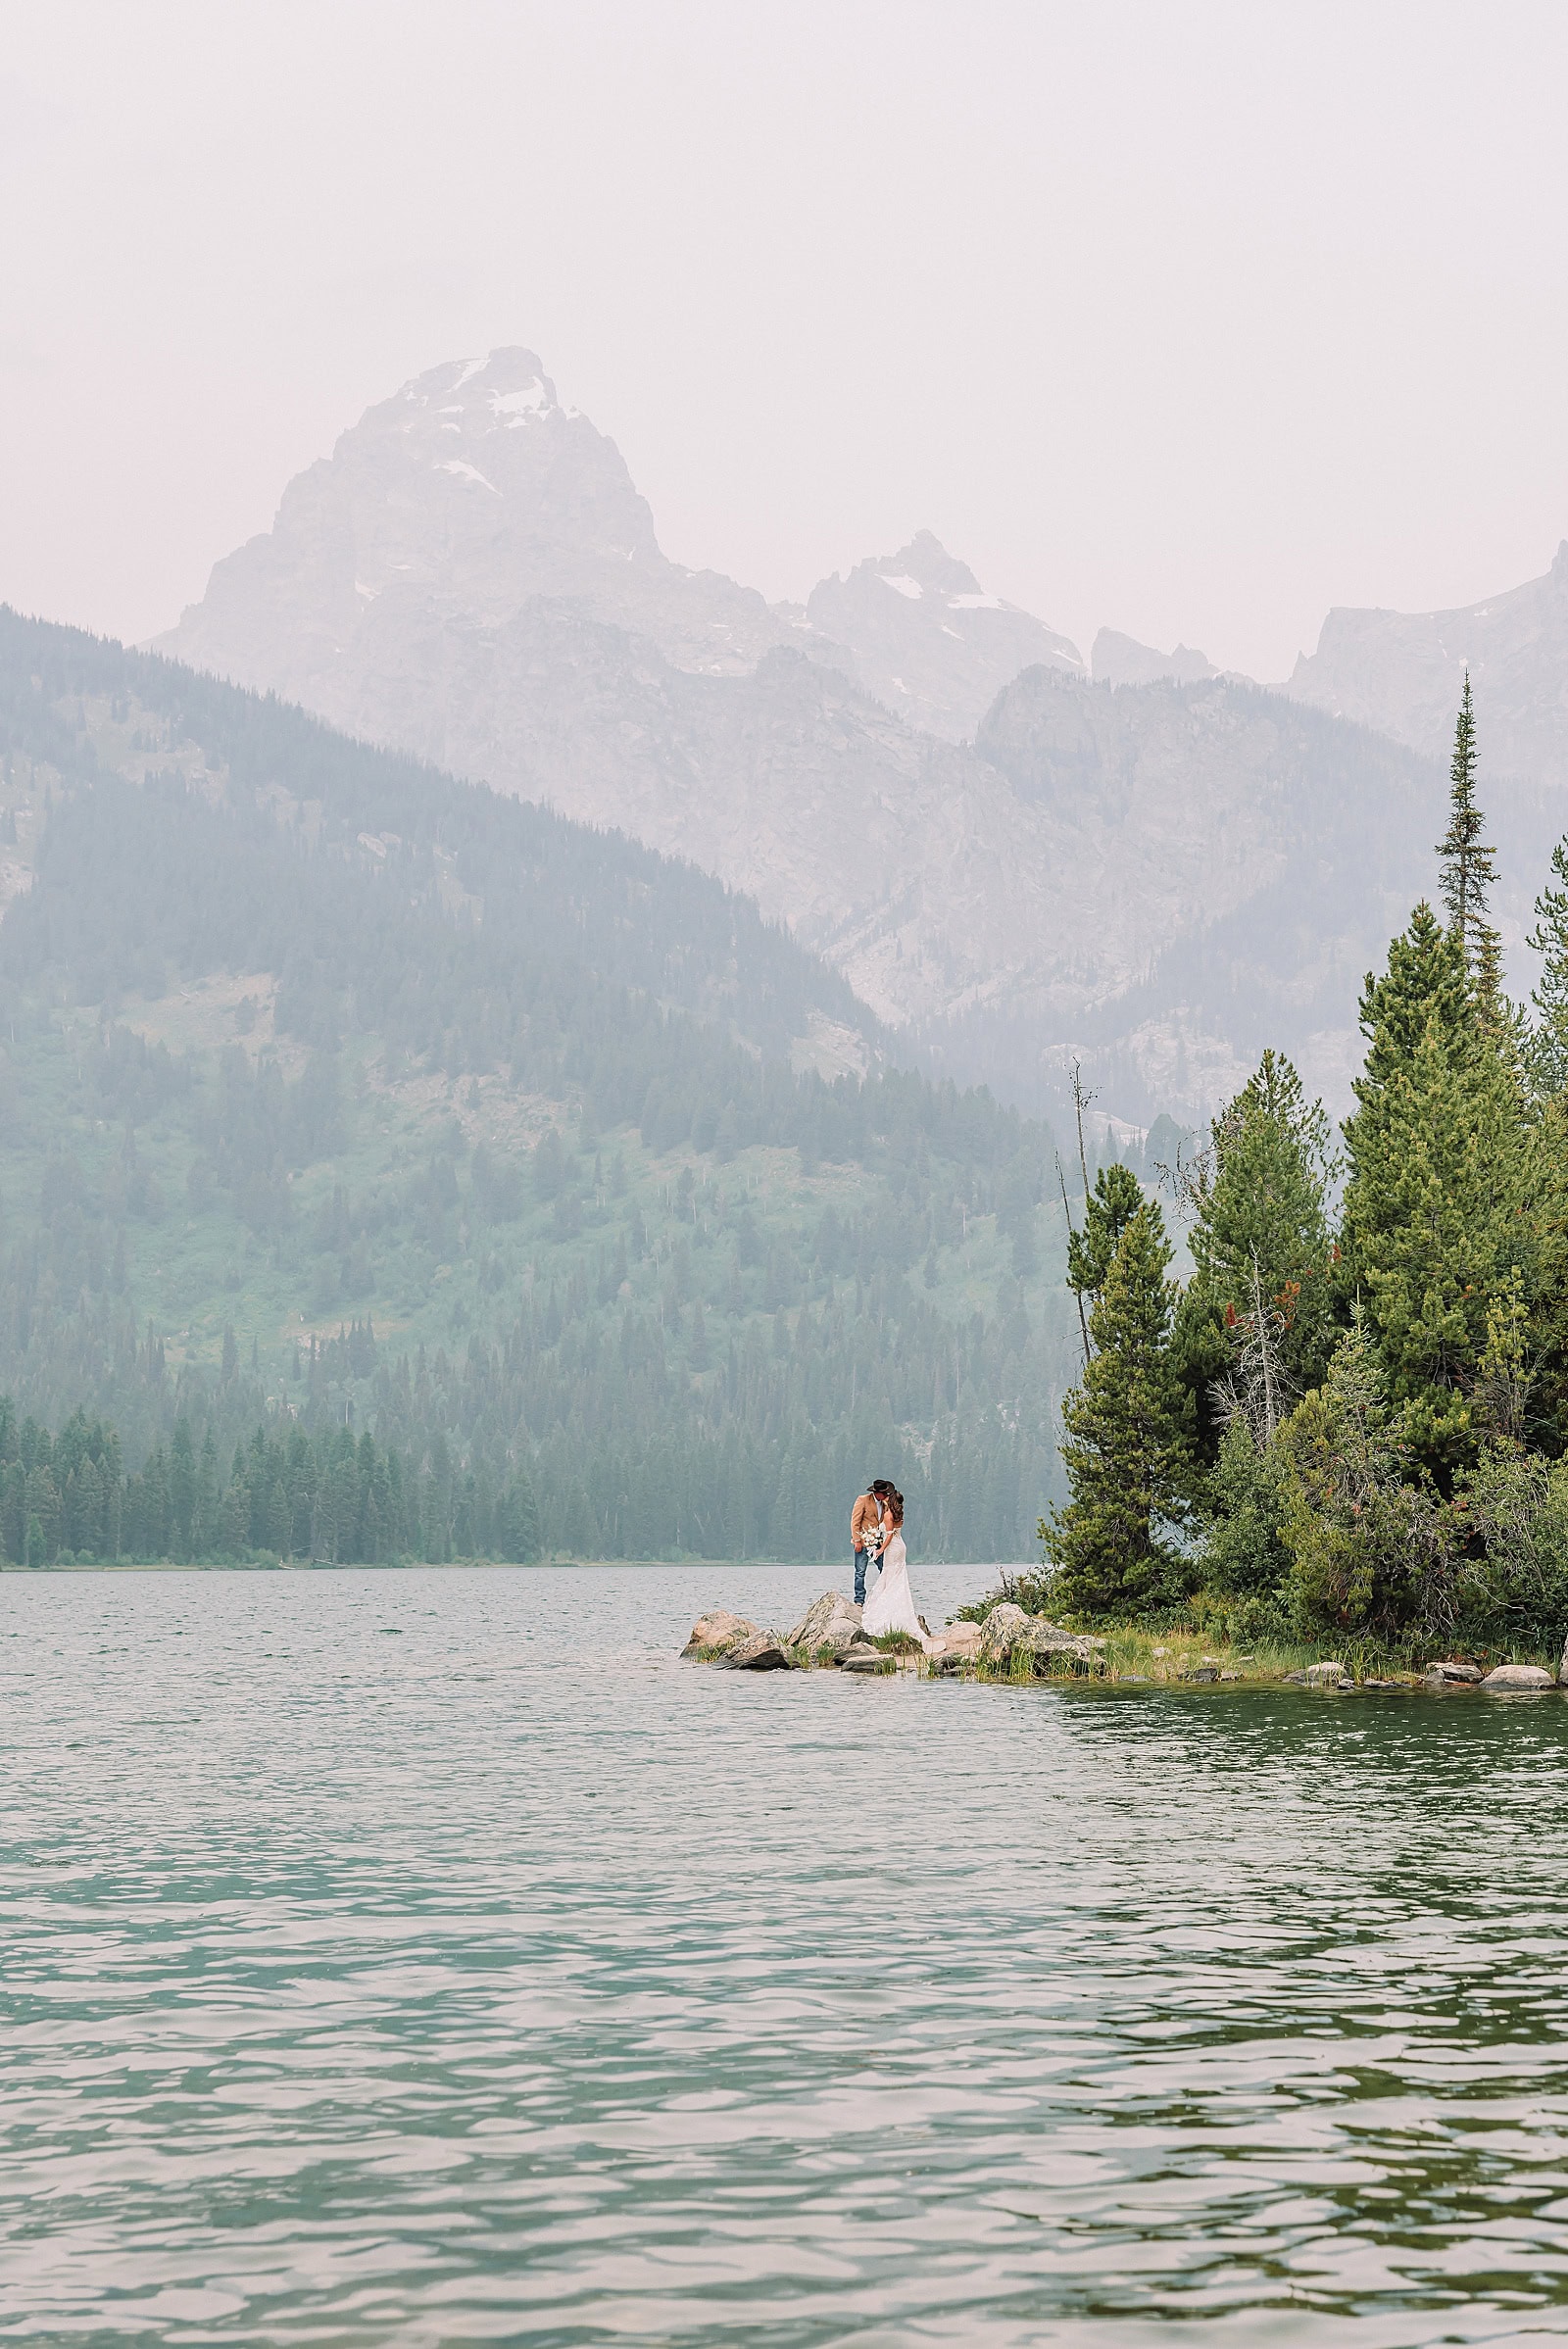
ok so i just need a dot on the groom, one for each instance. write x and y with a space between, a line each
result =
864 1518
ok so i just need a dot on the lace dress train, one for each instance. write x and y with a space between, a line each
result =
889 1603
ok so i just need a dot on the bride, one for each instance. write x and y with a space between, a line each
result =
889 1603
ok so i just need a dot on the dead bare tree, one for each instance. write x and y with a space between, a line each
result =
1257 1388
1083 1325
1082 1096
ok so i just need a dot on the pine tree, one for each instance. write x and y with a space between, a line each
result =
1442 1176
1260 1245
1126 1449
1549 1045
1109 1209
1369 1545
1468 865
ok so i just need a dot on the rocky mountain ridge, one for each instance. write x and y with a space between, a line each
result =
1402 672
1117 660
1161 876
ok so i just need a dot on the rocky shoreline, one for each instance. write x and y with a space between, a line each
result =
1012 1645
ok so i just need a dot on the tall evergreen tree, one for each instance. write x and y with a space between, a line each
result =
1549 1044
1260 1245
1109 1209
1468 865
1368 1545
1437 1206
1127 1451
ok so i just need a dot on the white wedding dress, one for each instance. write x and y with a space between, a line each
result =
889 1603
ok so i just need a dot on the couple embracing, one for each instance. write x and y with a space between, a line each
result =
876 1538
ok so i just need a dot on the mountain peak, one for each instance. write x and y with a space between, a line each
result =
468 495
505 391
927 640
925 567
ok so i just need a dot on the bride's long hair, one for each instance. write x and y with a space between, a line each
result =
895 1511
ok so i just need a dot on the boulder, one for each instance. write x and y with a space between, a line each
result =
868 1659
1043 1639
1007 1631
1455 1676
1329 1675
1519 1676
763 1652
832 1621
1202 1672
716 1631
956 1647
998 1634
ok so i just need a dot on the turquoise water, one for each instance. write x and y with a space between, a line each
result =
430 1957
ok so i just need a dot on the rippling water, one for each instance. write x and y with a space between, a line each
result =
430 1957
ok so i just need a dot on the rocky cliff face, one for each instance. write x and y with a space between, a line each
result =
1162 877
1404 672
927 641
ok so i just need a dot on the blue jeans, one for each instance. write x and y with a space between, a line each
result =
860 1578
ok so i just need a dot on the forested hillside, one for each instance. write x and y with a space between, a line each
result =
335 1093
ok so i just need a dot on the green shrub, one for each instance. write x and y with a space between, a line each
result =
1512 1584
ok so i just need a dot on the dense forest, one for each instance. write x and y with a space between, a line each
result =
344 1101
335 1499
1351 1422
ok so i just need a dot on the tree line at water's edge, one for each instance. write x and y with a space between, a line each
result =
334 1497
1351 1421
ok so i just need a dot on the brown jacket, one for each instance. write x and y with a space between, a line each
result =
864 1518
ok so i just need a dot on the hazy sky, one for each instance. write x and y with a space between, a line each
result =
1190 320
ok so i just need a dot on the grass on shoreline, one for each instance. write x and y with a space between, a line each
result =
1170 1656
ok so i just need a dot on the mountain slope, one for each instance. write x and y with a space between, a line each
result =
335 1088
1404 672
1229 864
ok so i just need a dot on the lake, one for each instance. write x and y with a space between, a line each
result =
430 1957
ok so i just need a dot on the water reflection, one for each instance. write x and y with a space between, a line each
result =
431 1957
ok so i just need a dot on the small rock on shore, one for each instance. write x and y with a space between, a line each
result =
957 1646
717 1628
735 1643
